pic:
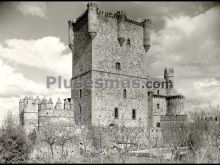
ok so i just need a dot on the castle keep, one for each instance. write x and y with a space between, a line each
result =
112 47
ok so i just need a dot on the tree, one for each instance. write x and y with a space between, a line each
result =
14 147
123 139
64 138
48 135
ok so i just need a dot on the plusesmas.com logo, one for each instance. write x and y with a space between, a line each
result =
105 83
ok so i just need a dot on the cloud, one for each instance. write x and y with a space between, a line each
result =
190 44
14 86
32 8
47 53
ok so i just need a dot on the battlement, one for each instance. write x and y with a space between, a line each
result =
28 103
175 97
173 117
168 72
104 14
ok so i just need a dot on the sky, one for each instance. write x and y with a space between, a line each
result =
33 45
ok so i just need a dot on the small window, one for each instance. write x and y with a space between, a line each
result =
116 113
80 93
134 114
128 41
124 93
158 125
80 110
118 65
158 106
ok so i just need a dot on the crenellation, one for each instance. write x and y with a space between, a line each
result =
110 47
35 113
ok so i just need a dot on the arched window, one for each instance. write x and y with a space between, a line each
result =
158 106
158 125
116 113
118 65
128 41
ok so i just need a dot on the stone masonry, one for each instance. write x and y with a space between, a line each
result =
108 46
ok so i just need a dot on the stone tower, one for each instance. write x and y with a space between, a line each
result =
108 46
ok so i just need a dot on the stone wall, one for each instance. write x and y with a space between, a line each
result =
105 100
106 50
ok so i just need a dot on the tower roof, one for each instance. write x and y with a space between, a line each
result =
58 101
50 101
44 100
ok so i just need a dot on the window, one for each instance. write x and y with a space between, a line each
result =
158 125
116 113
133 114
124 94
80 93
128 41
158 92
80 110
118 65
158 106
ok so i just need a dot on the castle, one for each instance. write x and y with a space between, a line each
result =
108 46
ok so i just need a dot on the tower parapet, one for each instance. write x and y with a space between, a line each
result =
175 104
34 113
92 16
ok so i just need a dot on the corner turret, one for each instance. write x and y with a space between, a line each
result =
66 104
50 104
92 19
169 78
43 104
121 16
146 41
70 34
58 104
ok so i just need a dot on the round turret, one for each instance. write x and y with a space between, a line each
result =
58 104
25 99
71 34
66 104
169 77
37 100
43 104
121 16
92 19
71 104
30 99
50 104
146 42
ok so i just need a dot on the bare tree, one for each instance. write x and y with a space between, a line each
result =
66 137
123 139
48 135
14 147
